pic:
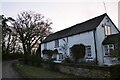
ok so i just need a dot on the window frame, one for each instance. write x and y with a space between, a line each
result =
45 45
56 43
88 52
61 57
108 49
107 30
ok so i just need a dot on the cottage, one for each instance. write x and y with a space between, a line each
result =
94 34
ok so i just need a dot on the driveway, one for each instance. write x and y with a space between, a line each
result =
8 70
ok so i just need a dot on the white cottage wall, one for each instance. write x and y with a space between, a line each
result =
51 45
86 38
100 36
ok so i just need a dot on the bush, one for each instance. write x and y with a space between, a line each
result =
49 61
34 60
78 51
48 52
11 56
68 60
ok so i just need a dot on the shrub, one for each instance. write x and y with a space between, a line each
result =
78 51
48 52
11 56
34 60
68 60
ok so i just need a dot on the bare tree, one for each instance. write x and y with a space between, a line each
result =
6 33
31 27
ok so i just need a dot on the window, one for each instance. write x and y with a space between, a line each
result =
88 51
45 46
55 56
60 56
56 43
108 49
107 30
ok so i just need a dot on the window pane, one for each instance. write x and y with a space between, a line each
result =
109 49
107 30
88 51
45 46
56 43
106 50
60 56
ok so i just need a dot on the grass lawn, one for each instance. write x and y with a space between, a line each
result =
39 72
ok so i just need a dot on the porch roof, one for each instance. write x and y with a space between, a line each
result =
111 39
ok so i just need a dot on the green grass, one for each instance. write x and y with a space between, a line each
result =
39 72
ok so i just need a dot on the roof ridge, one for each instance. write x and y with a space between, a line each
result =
81 22
87 25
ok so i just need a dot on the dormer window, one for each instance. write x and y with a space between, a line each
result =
107 30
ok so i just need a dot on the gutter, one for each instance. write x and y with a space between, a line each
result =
95 45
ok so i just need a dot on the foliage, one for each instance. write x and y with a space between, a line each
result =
11 56
49 61
48 52
118 46
8 38
31 60
39 72
78 51
68 60
31 28
116 51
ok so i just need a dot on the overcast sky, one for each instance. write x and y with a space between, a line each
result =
65 13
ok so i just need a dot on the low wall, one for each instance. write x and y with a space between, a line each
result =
90 73
85 70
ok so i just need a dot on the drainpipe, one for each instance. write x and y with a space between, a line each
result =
95 46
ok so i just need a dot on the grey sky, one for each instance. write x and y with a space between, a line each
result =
64 14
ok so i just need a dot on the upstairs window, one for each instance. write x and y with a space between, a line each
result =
88 51
107 30
45 45
56 43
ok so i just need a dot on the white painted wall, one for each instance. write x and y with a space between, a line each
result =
83 38
100 36
86 38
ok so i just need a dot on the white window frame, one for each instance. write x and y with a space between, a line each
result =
56 43
88 52
107 49
61 57
107 30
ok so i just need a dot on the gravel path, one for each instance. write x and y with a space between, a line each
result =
8 70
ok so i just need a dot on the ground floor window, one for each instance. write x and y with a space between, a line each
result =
109 49
88 51
61 57
54 56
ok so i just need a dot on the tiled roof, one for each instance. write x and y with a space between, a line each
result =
78 28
